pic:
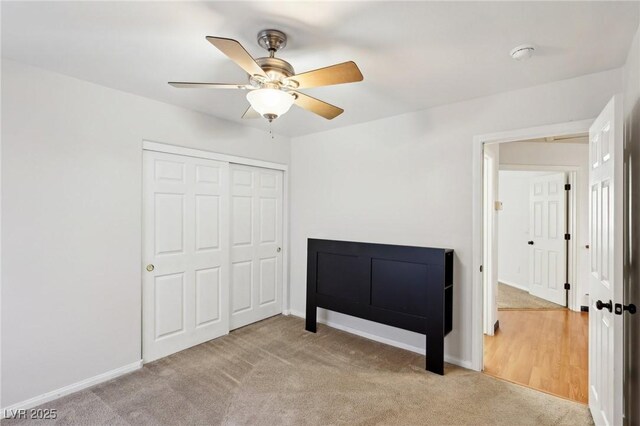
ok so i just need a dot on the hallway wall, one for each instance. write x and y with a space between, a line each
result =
513 229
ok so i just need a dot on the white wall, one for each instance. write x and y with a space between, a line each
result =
407 180
513 251
632 140
562 154
71 220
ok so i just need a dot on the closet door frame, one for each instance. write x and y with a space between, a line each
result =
232 159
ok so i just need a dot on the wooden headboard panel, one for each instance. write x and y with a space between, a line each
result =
405 287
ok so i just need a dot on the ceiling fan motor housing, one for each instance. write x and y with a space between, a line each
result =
276 69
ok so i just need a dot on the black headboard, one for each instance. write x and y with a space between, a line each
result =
405 287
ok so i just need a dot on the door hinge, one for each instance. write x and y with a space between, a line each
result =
567 286
567 187
567 236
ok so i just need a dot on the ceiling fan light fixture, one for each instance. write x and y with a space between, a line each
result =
270 103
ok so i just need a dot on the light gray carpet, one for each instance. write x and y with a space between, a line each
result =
514 298
275 373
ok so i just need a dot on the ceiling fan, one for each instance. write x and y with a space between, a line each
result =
273 85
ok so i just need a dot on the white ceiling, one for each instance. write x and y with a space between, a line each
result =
413 55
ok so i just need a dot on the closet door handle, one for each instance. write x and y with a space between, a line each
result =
530 243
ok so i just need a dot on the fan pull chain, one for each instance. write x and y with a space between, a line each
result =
271 131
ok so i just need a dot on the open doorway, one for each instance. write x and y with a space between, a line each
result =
535 239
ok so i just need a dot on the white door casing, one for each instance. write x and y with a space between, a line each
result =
185 238
478 143
606 344
256 241
490 261
547 228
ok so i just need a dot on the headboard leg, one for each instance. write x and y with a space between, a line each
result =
311 318
435 353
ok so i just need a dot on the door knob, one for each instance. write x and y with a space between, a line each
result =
620 308
279 250
530 243
150 267
600 305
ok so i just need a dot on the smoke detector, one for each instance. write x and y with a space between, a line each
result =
523 52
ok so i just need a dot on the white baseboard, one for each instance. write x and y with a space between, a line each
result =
391 342
511 284
297 313
66 390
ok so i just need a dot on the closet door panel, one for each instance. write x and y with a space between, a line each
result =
185 252
256 240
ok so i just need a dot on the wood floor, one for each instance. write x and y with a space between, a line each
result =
543 349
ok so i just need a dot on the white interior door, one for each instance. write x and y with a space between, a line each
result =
185 252
256 241
606 344
547 227
490 261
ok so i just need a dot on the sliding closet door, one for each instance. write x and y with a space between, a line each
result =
185 252
256 241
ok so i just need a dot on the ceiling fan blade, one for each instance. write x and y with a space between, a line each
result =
238 54
184 85
251 113
317 106
346 72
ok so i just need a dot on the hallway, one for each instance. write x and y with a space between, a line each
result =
543 349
